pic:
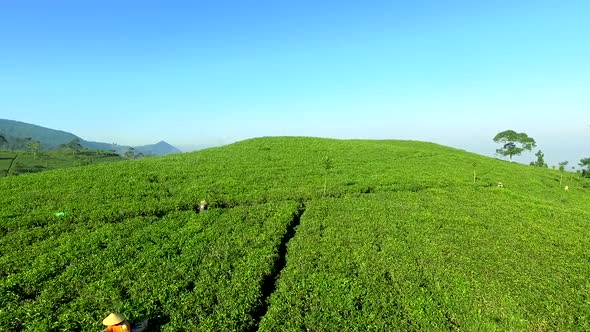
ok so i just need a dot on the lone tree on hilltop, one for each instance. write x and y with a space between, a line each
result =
540 162
513 143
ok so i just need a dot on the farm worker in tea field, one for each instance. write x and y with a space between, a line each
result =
203 206
117 323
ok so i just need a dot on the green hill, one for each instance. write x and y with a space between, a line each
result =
301 234
49 138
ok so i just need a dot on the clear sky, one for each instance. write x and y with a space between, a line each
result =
206 72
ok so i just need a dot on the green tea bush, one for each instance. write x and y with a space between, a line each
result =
401 239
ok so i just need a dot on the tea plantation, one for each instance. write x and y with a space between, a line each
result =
302 234
22 162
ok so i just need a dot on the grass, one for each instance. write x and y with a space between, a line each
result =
413 261
397 235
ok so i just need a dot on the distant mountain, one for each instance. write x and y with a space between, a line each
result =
159 149
17 132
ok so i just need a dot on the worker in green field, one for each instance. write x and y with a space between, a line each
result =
203 206
117 323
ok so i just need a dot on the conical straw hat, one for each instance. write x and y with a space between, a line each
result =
113 319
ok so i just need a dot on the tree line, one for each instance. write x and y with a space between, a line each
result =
514 143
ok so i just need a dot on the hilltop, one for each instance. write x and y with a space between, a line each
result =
16 132
301 234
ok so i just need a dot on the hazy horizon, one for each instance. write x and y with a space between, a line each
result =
454 73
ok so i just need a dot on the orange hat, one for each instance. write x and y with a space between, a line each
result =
113 319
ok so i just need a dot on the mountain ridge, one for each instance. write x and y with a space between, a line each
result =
17 132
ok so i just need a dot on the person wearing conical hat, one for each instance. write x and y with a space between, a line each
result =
116 323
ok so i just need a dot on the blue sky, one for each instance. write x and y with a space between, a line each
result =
196 72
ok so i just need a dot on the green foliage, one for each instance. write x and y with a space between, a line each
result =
31 161
327 164
428 249
585 164
192 272
468 259
513 143
3 142
540 162
130 154
74 146
562 165
34 147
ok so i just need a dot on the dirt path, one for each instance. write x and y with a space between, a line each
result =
270 283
